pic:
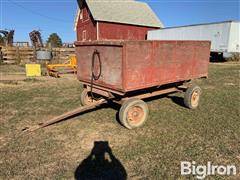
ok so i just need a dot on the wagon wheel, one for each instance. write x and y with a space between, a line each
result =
133 113
86 98
192 97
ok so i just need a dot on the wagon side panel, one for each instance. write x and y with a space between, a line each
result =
164 67
110 64
176 61
155 63
201 59
138 65
191 60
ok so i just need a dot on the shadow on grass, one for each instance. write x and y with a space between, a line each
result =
178 100
101 164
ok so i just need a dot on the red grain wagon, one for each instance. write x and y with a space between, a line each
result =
127 71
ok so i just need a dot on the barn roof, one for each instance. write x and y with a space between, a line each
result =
125 12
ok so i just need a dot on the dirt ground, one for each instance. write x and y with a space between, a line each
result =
95 143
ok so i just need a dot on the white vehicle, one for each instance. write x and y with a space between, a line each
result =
224 36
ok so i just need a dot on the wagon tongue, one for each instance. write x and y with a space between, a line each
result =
64 116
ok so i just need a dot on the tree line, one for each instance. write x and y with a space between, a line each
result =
53 39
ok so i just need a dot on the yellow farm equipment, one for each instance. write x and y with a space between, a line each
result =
69 66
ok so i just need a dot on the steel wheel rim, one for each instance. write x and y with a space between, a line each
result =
135 115
195 98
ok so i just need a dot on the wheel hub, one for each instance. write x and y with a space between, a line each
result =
135 114
195 98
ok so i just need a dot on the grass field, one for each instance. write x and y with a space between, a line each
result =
172 133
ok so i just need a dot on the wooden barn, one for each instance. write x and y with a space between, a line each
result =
114 20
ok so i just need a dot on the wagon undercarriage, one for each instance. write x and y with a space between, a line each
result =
134 111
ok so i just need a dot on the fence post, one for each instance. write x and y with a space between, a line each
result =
18 55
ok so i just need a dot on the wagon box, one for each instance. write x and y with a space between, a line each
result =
125 72
133 65
128 71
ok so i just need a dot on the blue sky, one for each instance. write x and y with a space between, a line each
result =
58 15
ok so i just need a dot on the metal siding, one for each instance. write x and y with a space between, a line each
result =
138 64
142 64
234 38
111 62
218 34
154 63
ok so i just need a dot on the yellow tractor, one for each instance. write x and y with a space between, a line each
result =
69 66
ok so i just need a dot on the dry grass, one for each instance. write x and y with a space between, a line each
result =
172 133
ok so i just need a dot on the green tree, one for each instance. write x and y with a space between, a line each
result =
1 39
55 40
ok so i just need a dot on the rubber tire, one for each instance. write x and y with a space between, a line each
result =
188 96
124 110
83 101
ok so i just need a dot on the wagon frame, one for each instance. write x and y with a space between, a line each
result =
117 81
140 109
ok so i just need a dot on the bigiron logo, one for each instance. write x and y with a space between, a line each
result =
210 169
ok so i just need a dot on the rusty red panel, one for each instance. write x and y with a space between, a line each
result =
110 63
134 65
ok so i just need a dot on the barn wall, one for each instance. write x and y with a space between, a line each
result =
122 31
86 24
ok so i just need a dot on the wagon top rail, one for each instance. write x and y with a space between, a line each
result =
123 42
